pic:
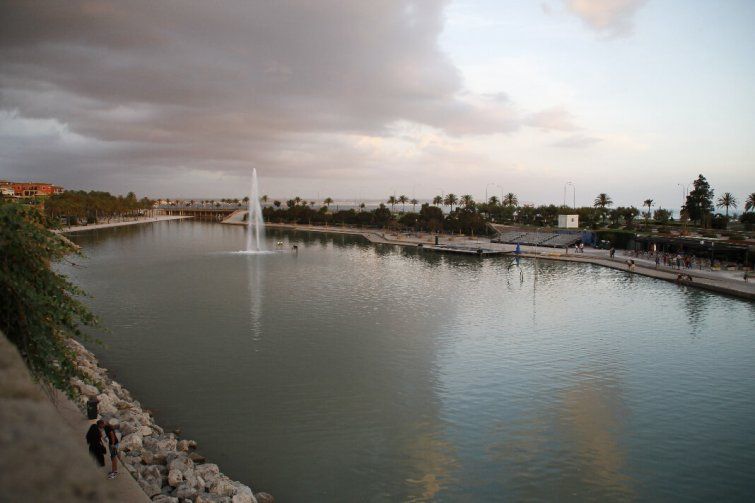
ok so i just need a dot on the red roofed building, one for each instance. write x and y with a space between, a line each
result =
33 189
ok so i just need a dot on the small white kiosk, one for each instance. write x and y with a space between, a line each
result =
568 221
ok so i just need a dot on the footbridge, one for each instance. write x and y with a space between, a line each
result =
212 213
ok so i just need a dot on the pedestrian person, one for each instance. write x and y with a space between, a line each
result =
678 261
612 252
94 440
746 277
657 261
113 442
581 247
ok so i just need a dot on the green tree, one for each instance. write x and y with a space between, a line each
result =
662 216
726 201
392 201
450 200
699 203
403 200
328 201
39 310
649 204
437 200
467 200
493 201
750 203
510 199
602 202
414 203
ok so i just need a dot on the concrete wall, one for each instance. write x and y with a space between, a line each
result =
40 457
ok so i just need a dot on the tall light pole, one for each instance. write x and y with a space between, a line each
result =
574 195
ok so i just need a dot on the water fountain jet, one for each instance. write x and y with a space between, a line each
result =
255 239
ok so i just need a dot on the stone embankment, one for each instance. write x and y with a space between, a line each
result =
168 469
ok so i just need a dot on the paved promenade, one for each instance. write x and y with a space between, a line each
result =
727 282
43 454
136 221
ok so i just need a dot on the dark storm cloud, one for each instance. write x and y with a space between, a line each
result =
93 87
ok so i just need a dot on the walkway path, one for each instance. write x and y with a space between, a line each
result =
43 454
728 282
141 220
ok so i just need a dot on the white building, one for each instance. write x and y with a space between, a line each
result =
568 221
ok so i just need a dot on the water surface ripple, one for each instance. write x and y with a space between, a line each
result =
350 372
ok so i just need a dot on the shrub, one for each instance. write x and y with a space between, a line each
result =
38 308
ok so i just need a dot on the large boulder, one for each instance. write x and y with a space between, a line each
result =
212 498
164 498
175 477
209 472
223 486
182 463
106 405
264 498
160 444
185 491
131 442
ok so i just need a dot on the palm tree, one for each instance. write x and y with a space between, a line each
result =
264 198
414 205
403 200
361 207
450 200
297 200
510 199
327 201
750 203
726 200
493 201
649 204
467 200
439 200
602 201
392 201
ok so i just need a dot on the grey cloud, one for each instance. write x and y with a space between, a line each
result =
151 88
611 18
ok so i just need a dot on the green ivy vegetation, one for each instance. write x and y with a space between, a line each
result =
39 309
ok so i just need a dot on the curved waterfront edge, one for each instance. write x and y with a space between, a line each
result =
725 286
167 469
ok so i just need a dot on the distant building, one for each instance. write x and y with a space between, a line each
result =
6 189
568 221
34 189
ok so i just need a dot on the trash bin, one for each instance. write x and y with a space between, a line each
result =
92 408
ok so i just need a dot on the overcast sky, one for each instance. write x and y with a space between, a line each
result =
353 99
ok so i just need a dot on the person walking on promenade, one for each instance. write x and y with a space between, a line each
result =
678 261
113 442
657 261
581 247
94 440
746 276
612 252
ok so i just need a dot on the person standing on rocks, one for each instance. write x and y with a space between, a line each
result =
94 439
113 442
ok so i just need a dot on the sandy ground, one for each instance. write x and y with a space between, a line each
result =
142 220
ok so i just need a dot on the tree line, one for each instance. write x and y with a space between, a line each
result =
75 206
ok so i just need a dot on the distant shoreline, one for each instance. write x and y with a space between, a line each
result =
140 220
701 279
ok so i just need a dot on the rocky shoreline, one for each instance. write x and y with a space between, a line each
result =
168 469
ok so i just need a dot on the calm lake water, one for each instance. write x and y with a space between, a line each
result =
352 372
